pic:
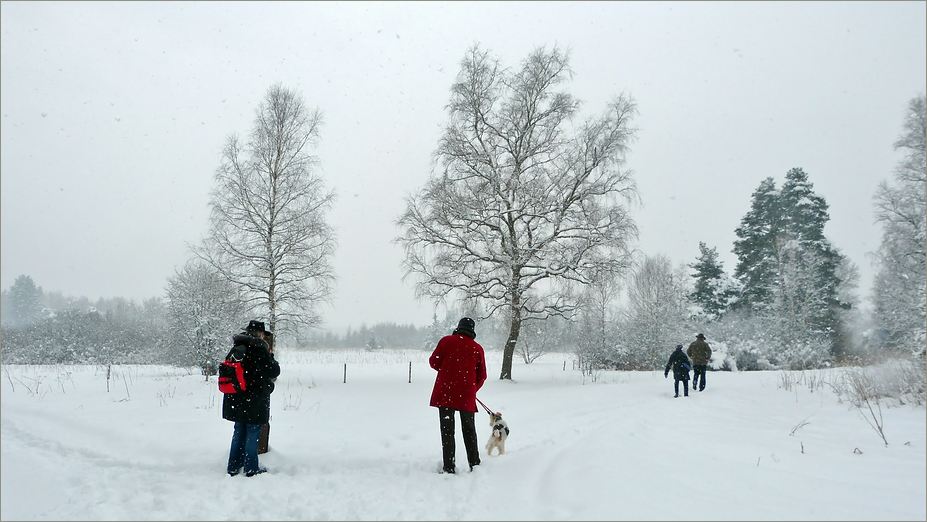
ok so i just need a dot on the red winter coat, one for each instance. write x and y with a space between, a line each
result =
461 367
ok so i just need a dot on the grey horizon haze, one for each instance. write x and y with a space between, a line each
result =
114 115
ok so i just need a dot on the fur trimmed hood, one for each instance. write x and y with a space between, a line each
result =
246 339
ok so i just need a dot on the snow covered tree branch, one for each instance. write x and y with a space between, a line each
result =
522 208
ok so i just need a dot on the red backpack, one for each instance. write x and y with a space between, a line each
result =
231 374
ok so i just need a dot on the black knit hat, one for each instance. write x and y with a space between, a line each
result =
466 327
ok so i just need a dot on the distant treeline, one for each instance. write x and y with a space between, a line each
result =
127 335
378 336
68 330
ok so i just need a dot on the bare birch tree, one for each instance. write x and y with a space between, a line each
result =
523 207
269 235
655 318
596 346
900 287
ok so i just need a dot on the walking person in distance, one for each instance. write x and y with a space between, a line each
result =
461 366
680 365
700 353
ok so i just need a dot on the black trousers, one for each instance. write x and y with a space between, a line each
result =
448 442
685 386
698 369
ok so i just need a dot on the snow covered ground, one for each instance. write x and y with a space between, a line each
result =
153 446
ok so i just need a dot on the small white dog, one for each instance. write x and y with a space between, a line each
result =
500 431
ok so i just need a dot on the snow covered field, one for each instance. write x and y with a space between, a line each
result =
619 447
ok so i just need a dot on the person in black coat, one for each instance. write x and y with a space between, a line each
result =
249 409
679 361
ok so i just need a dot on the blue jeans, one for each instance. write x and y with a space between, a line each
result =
244 450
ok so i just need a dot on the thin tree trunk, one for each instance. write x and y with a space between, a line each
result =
509 350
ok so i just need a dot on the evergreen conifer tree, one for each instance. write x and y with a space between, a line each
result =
812 293
787 267
756 249
25 299
713 290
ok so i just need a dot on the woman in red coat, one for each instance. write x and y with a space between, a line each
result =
461 367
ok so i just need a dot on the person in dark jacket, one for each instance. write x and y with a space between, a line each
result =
250 408
680 364
700 353
461 366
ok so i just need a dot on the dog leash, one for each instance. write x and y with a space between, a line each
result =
484 407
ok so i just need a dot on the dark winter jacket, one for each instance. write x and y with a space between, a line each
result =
461 367
680 364
252 406
699 352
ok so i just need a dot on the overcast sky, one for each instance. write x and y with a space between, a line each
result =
114 114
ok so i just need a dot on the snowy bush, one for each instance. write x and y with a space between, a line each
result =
803 355
902 381
721 358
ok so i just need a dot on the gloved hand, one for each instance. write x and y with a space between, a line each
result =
665 374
